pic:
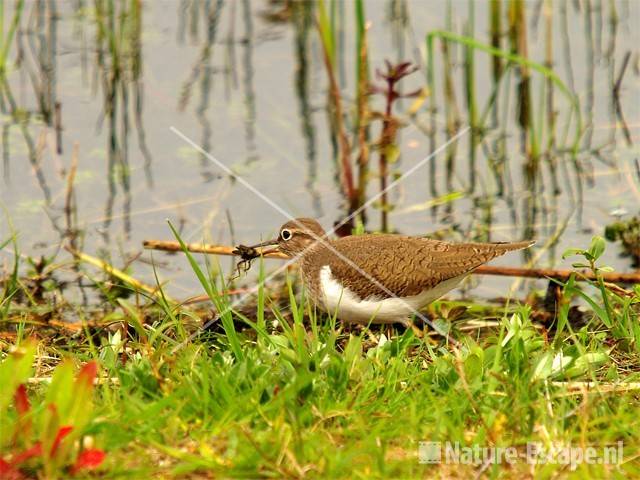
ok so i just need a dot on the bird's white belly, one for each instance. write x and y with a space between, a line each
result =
349 307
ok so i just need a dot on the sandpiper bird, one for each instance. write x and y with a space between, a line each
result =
379 278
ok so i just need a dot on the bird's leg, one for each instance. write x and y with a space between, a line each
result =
389 330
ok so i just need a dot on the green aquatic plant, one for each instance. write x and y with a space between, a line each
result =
626 232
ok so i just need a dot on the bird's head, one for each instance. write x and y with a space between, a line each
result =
296 236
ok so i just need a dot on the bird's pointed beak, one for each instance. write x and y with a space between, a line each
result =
267 243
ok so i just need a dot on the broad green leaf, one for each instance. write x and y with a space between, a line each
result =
570 252
473 367
60 391
560 363
543 367
586 362
16 368
596 249
442 326
514 324
580 265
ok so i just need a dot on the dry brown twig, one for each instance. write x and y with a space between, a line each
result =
562 275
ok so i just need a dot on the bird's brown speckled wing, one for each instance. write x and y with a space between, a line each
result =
405 265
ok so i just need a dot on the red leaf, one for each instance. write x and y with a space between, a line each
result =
7 472
34 451
21 399
88 374
88 459
62 432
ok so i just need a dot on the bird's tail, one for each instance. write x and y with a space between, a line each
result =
505 247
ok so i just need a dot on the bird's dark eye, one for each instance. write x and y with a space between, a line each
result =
285 234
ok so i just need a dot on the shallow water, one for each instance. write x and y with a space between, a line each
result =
247 84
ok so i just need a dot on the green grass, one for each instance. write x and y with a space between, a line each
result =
293 393
282 390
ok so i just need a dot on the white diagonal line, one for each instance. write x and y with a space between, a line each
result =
399 179
316 238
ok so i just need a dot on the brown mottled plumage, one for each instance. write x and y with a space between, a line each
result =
404 265
382 266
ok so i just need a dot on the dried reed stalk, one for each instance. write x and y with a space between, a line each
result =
562 275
